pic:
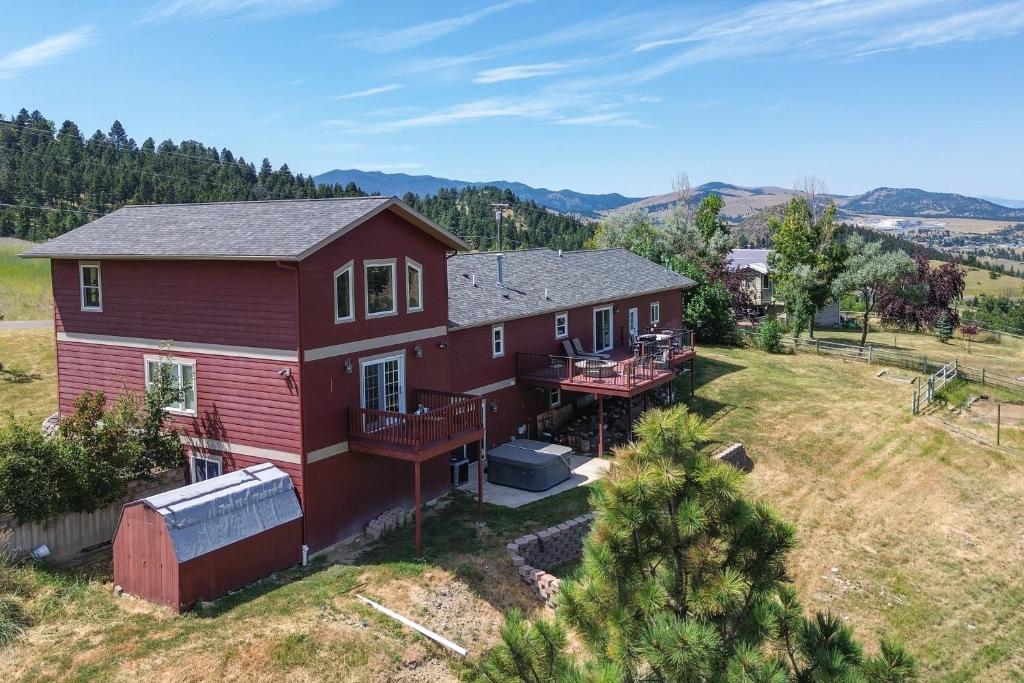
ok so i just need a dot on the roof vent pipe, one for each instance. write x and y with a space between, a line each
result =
546 293
501 269
559 253
473 279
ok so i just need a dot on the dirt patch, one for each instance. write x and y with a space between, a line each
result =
985 409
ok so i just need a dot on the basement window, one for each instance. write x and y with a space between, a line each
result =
182 376
206 467
555 398
344 301
89 276
380 287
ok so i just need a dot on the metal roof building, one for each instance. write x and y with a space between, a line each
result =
203 540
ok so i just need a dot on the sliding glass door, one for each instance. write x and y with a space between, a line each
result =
603 329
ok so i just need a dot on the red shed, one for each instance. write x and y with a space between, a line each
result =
201 541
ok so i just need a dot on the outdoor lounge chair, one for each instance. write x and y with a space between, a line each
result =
578 352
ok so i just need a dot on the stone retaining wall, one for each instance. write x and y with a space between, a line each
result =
534 553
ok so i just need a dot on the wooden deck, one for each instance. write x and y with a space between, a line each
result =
450 421
623 374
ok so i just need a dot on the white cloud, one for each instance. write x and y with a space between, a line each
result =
413 36
521 71
217 8
992 22
45 51
603 119
368 92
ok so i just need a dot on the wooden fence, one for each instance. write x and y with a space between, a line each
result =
874 355
71 537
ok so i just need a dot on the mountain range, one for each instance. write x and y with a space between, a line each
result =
739 201
564 201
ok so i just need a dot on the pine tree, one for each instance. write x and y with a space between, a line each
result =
684 579
944 328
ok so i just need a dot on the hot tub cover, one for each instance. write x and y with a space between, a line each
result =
529 453
217 512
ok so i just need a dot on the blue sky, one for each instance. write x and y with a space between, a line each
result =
595 96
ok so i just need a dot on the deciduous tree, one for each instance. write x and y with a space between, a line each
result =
867 272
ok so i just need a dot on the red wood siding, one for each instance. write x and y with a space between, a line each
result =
241 401
144 562
384 236
236 303
345 492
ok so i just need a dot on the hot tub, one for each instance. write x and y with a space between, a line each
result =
529 465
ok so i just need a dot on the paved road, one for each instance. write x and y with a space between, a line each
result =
26 325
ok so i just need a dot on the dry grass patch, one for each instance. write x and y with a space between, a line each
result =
28 376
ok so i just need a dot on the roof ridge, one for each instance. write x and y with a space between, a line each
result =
261 201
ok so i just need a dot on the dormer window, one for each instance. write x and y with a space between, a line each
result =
380 287
344 299
89 277
414 286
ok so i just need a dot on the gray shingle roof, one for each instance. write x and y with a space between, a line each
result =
576 278
285 229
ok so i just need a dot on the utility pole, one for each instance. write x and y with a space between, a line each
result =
498 206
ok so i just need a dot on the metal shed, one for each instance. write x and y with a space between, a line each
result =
203 540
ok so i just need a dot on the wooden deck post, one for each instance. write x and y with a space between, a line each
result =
692 368
419 515
600 426
629 399
480 484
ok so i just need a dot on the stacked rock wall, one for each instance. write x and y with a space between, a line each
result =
532 555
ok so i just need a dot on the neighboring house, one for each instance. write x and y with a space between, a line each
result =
342 340
760 288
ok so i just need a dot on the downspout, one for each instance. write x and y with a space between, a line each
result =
302 403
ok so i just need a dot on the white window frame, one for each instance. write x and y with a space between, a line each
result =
410 264
555 397
633 321
497 340
82 265
562 320
147 359
370 263
655 313
611 327
218 460
351 293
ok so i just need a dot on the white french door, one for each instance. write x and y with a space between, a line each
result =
603 329
382 384
634 323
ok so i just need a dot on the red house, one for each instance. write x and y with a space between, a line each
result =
345 340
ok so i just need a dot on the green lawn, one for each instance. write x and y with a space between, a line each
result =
24 284
906 531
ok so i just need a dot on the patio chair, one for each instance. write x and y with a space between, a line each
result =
578 352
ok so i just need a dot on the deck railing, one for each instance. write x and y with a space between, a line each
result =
446 416
625 374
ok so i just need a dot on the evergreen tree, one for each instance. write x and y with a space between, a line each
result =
684 579
944 328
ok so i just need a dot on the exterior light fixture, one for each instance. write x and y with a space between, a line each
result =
285 372
348 366
418 350
442 345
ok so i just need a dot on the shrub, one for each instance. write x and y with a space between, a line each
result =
97 451
769 337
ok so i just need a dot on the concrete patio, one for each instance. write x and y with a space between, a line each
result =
585 469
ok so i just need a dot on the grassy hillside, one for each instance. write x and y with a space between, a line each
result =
906 531
979 282
24 284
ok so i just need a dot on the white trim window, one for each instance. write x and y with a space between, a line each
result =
655 312
183 380
91 290
413 286
205 466
562 325
555 397
379 275
497 341
344 295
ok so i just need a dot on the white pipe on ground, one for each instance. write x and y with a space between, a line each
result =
441 640
305 554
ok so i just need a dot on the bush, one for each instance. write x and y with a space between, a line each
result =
769 337
89 463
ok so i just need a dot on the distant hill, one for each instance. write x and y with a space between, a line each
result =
1002 201
565 201
909 201
739 201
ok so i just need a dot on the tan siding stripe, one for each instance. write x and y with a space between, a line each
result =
184 347
375 343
